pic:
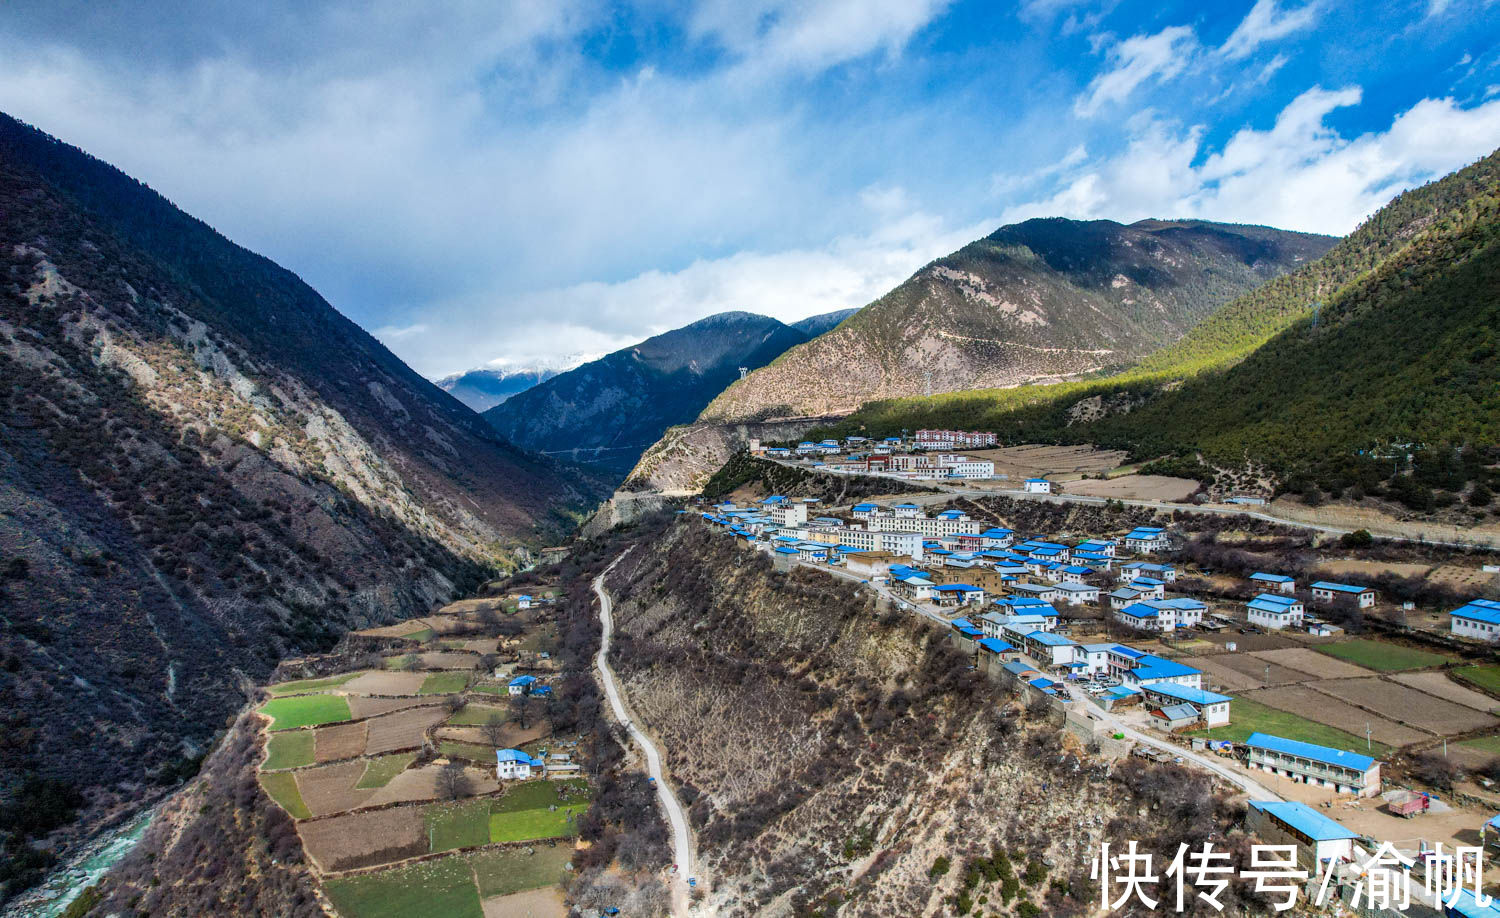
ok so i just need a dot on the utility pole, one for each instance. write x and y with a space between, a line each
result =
1368 746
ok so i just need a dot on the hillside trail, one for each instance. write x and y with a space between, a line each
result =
682 841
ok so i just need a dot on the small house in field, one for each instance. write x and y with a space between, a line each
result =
1037 486
520 685
1146 538
1328 593
515 765
523 601
1477 619
1278 583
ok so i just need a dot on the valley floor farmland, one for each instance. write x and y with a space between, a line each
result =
396 818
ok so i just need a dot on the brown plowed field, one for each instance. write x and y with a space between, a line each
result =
340 741
1437 683
1316 665
1224 677
402 730
1325 709
329 789
361 706
1264 671
417 784
365 839
384 683
1409 706
447 659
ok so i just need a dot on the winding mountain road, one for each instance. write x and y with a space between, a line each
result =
682 839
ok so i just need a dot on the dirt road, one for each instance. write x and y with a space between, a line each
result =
682 840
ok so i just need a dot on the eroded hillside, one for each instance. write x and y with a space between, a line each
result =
833 752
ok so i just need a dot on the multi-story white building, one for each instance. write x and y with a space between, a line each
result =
1161 614
1343 771
908 543
1146 538
954 439
1166 573
1275 611
932 527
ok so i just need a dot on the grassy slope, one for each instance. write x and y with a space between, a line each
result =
306 711
1247 717
1411 293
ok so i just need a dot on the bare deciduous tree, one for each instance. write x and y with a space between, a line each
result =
494 730
452 782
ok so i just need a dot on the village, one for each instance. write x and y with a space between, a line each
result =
1346 740
435 757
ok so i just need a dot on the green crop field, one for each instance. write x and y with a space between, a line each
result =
511 870
1485 677
379 772
534 825
533 795
305 711
439 887
1490 745
475 715
490 688
444 684
1383 657
291 749
468 751
282 787
458 825
1247 717
310 685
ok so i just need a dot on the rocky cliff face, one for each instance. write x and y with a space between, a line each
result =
1039 300
835 755
203 467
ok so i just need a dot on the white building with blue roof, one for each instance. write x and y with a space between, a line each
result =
1166 573
1147 538
520 685
1050 649
513 764
1321 766
1211 707
1148 669
1319 840
1329 593
1479 618
1037 486
1161 614
1279 583
1275 611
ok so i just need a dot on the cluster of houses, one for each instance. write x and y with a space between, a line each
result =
921 460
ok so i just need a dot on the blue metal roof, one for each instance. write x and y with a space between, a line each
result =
970 632
961 623
1324 754
1269 607
516 755
786 550
1154 667
1339 587
1479 610
1121 691
960 587
1304 819
1190 695
995 645
1139 610
1271 578
1467 906
522 680
1016 667
1048 639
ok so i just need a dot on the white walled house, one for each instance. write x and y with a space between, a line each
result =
1077 594
1479 618
1162 614
513 764
1277 583
1146 538
1328 593
1037 486
1274 611
1211 707
1166 573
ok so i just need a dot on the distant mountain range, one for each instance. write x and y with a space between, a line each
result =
1041 300
204 468
486 387
607 411
1389 338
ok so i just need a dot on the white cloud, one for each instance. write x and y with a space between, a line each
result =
787 285
1300 174
775 35
1135 61
1265 22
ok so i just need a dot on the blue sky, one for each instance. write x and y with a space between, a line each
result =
482 183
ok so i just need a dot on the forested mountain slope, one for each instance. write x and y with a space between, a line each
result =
1043 299
203 468
1389 338
609 411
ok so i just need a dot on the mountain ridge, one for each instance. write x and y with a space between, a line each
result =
608 411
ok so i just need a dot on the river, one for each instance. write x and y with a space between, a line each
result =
69 879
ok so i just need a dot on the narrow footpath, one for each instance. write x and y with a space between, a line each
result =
682 840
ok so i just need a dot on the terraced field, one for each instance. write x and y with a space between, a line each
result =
358 760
